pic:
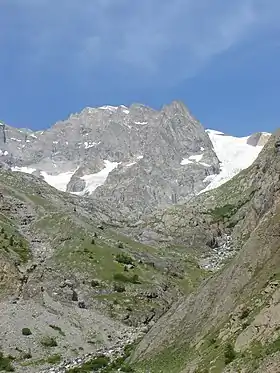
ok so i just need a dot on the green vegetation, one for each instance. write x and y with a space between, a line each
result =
226 211
54 359
119 288
273 347
10 240
245 313
124 258
92 365
229 353
6 363
26 331
134 279
58 329
27 355
48 342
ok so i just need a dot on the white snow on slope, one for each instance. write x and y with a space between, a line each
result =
194 159
130 164
185 161
26 170
59 181
89 144
197 157
95 180
108 107
235 155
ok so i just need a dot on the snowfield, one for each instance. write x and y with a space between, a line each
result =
234 154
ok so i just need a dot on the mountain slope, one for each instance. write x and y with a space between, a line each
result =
231 322
66 274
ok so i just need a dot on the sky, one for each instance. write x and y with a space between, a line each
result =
220 57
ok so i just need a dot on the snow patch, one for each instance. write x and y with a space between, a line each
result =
89 144
12 138
140 157
185 161
26 170
93 181
205 164
126 111
108 107
234 154
209 178
130 164
141 123
59 181
196 158
32 135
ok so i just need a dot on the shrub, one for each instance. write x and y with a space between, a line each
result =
11 241
2 230
54 359
94 283
120 277
229 353
135 279
5 363
48 342
124 258
212 341
27 355
58 329
245 325
119 288
26 331
93 241
244 314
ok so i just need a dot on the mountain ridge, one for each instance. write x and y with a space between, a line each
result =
137 158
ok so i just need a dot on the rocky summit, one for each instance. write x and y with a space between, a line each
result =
134 240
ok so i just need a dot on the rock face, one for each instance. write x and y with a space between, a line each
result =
139 158
136 159
258 139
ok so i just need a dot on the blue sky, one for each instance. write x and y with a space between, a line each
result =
221 57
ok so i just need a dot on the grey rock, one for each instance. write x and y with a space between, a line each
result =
147 147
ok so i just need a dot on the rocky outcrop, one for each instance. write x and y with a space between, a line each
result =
258 139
